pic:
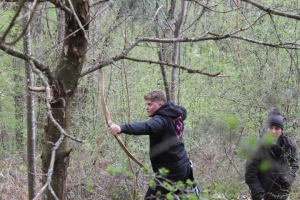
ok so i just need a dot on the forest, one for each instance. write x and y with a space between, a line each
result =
66 66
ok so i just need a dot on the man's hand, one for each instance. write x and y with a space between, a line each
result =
285 180
114 129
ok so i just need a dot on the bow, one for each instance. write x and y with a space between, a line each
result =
109 122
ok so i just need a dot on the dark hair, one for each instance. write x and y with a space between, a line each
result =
156 95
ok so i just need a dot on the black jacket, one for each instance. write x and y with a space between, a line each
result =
165 130
267 167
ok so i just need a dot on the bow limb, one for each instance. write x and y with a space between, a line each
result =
109 121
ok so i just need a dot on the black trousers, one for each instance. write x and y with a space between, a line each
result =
178 171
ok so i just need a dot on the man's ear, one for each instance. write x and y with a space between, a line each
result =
160 103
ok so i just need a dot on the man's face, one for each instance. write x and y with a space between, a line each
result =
276 131
152 106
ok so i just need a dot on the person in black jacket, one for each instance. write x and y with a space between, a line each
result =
165 130
271 170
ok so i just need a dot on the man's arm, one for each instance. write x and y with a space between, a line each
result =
151 127
293 163
251 178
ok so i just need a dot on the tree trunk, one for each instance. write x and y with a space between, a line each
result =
176 46
31 163
68 72
19 99
61 113
162 59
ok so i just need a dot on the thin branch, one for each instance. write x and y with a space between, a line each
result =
165 40
203 37
210 9
287 45
71 34
41 66
269 9
103 1
231 162
79 22
12 22
189 70
157 10
48 106
58 4
197 19
50 170
31 14
59 128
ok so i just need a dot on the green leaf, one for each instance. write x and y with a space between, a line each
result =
111 170
152 183
205 191
169 186
163 171
268 139
169 196
89 186
193 197
265 165
232 122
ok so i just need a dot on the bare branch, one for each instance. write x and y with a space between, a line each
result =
50 170
210 8
100 65
103 1
79 22
49 114
166 40
157 10
287 45
31 14
272 11
58 4
197 19
37 89
12 22
203 37
189 70
41 66
48 106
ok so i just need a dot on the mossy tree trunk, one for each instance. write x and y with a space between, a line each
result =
64 85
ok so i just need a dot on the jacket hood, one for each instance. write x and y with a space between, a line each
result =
171 110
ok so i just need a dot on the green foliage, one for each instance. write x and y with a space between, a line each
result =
6 16
169 186
124 171
228 188
169 196
268 139
152 183
89 186
264 165
163 171
232 122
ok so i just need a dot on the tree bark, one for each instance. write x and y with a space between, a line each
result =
19 99
64 85
31 165
176 46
